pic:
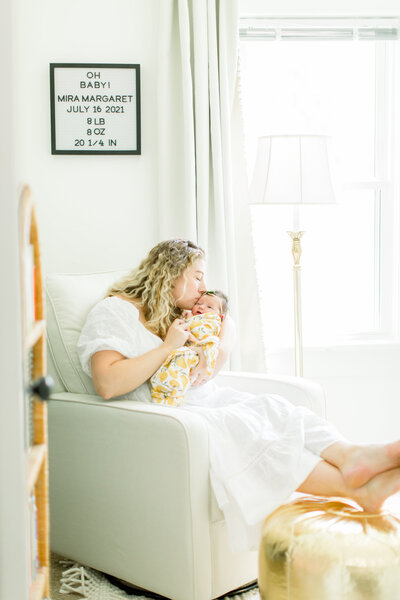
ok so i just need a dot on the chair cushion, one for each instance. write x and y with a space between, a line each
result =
69 299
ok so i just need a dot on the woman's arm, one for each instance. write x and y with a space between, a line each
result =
227 336
113 374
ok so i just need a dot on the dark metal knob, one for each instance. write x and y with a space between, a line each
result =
42 387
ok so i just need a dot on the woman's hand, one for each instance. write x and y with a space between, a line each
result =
115 374
198 374
178 334
227 338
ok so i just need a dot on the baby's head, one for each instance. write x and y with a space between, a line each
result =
212 301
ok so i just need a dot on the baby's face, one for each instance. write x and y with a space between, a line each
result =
207 303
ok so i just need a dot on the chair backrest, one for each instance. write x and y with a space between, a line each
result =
69 300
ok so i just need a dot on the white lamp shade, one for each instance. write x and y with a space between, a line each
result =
292 169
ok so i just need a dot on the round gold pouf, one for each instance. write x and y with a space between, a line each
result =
319 549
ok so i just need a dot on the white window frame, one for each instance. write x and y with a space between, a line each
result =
387 145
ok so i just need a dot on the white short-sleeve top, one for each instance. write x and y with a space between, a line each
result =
113 324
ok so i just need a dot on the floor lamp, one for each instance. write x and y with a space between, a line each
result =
293 169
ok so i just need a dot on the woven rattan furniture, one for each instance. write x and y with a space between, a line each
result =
34 352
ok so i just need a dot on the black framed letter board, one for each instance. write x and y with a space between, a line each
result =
95 108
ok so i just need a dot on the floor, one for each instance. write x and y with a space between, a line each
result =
56 573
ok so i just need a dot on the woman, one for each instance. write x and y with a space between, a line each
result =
262 448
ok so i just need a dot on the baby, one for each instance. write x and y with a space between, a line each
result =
172 380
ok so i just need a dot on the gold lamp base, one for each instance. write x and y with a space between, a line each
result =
298 329
320 549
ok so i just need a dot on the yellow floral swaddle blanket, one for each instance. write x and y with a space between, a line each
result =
172 380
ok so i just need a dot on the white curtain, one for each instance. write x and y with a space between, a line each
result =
201 196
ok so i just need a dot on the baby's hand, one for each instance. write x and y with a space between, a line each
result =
177 334
186 314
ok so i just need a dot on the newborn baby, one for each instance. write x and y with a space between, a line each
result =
171 381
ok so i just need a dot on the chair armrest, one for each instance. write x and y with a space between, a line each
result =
295 389
120 470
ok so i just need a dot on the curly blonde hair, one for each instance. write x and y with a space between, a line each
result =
152 283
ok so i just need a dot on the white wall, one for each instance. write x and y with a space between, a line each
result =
14 574
361 383
95 212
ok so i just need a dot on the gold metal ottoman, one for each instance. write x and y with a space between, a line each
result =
320 549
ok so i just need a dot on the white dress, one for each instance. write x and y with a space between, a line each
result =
261 447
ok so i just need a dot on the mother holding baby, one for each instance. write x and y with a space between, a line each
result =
262 448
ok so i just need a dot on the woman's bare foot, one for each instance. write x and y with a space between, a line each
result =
373 494
359 464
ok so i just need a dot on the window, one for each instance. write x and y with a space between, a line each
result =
335 78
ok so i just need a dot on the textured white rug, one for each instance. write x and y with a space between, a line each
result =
78 581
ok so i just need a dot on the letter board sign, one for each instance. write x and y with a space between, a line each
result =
95 108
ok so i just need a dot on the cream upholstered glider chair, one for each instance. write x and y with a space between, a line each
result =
129 487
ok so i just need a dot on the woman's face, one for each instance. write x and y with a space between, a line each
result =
190 285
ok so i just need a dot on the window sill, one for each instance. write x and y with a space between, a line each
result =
365 359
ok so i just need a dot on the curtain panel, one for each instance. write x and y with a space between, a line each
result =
201 196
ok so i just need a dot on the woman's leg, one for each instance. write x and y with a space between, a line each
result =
327 480
360 463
